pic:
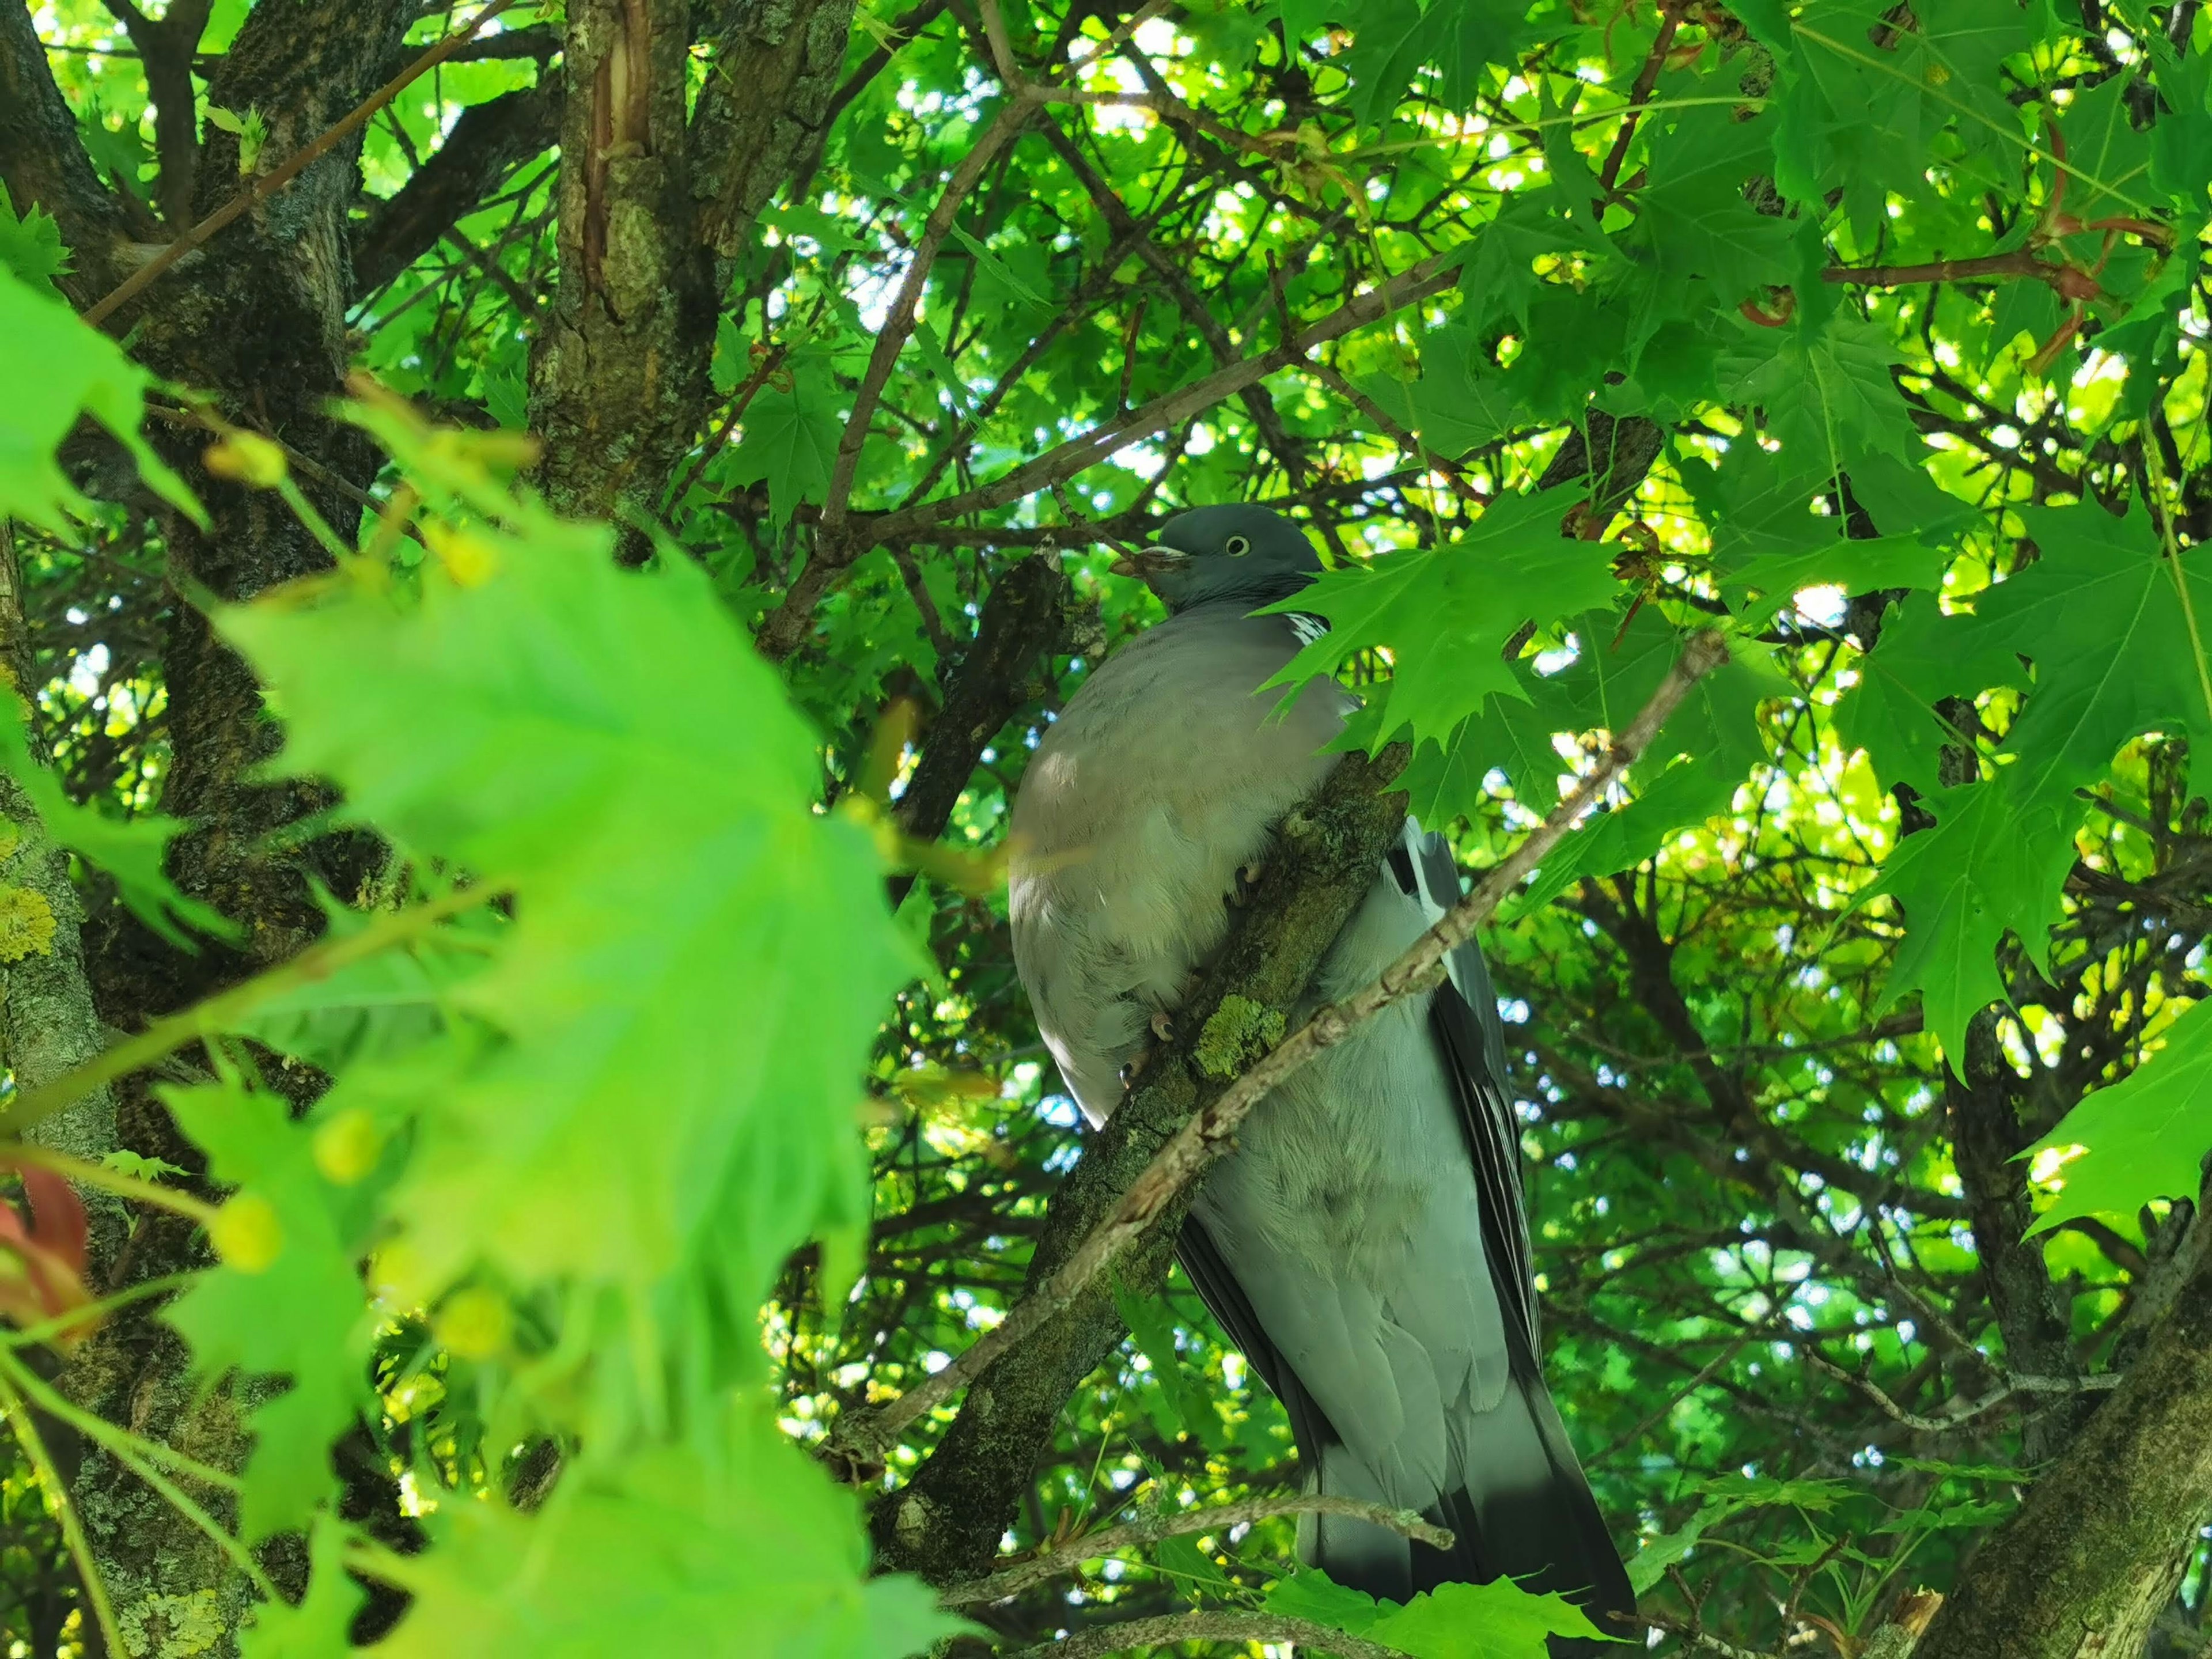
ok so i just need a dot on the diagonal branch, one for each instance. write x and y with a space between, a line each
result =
1176 1627
905 307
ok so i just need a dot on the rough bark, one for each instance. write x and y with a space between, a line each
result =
48 1024
650 214
946 1522
41 161
2095 1553
1612 455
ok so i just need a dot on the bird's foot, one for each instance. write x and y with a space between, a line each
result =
1163 1029
1247 882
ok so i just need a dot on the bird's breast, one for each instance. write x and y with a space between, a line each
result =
1163 776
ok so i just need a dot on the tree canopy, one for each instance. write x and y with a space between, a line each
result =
538 539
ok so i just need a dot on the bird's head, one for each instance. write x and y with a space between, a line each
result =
1245 553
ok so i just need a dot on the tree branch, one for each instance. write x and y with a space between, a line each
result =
488 140
899 320
42 160
782 629
165 48
1022 622
1209 1627
1221 1517
268 183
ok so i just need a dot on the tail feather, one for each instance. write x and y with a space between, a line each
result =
1523 1509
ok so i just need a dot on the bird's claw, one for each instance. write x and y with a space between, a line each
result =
1247 882
1162 1027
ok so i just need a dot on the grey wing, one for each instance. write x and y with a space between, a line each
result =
1464 1016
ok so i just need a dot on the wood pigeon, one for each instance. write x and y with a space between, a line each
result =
1366 1246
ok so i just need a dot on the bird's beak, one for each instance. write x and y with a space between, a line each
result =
1150 561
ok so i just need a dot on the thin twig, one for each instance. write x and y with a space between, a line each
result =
1136 1534
1695 1635
85 1173
293 166
1211 1132
1670 19
1956 1412
905 308
2021 263
740 400
1409 287
1402 435
1208 1627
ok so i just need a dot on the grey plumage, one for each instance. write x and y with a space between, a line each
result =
1365 1246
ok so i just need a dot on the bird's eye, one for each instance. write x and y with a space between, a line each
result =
1237 546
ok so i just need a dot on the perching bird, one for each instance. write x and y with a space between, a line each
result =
1365 1247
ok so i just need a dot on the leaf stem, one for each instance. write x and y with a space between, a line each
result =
87 1173
2164 517
25 1428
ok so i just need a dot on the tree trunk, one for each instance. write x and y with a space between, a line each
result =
2096 1554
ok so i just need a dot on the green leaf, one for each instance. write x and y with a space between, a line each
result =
1857 567
380 1005
1393 41
2108 161
1500 278
1829 399
1497 1621
129 850
1694 218
1149 1322
31 247
791 439
302 1313
2144 1137
726 368
1449 611
738 1547
1987 868
683 1032
1311 1593
1462 399
1648 1565
56 369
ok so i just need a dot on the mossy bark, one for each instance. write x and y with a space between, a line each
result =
2095 1553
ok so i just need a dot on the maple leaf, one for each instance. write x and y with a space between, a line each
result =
2144 1137
1449 611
